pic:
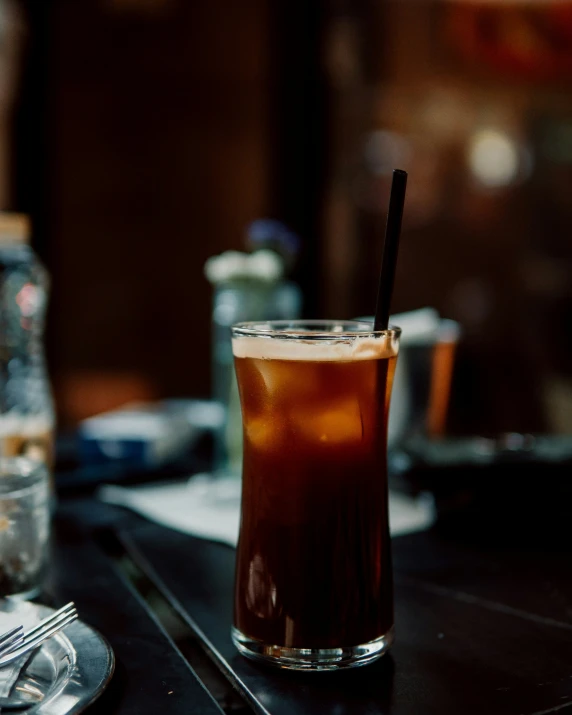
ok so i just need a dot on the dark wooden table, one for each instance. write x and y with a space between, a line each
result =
481 627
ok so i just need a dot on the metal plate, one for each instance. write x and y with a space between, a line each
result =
66 674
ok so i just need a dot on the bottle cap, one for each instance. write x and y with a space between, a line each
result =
14 228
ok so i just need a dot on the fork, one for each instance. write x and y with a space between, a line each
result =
23 643
11 639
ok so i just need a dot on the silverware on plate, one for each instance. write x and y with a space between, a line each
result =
17 642
66 674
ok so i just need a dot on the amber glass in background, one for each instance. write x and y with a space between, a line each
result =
313 578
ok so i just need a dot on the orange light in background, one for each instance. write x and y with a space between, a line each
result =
86 393
530 40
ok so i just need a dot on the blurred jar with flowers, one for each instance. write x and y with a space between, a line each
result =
247 286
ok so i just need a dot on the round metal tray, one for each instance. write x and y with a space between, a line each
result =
66 674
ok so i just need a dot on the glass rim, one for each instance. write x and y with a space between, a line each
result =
312 329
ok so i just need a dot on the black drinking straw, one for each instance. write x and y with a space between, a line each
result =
390 247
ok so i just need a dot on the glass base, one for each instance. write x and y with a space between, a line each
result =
312 658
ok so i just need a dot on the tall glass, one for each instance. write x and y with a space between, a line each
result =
313 577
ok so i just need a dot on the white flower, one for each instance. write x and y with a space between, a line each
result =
230 265
262 265
266 265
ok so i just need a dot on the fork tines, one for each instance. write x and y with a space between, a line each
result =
57 617
11 639
22 643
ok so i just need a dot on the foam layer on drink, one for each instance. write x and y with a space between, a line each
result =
346 349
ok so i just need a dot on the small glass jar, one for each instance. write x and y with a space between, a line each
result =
24 526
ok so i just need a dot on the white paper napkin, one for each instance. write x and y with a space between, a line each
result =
17 613
210 508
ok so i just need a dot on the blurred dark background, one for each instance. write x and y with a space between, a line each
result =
142 136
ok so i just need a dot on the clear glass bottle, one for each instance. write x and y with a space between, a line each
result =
236 301
27 415
247 286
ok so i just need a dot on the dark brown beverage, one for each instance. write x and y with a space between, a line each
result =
313 562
